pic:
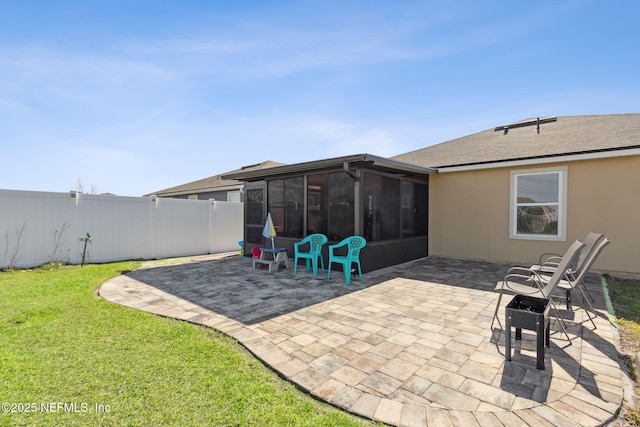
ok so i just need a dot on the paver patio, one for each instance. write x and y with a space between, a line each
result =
410 345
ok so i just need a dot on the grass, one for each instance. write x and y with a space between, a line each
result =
625 294
625 298
61 344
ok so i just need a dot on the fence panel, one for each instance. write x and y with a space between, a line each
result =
39 227
119 228
34 227
224 235
180 227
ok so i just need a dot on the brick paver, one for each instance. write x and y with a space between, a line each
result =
409 345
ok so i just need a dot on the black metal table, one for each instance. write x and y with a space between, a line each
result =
525 312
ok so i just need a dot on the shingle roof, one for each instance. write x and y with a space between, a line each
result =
564 136
214 182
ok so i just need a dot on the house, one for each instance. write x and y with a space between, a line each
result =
506 194
518 190
214 187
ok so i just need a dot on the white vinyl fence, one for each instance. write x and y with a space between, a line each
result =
41 227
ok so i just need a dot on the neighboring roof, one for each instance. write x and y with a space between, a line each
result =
527 141
345 162
213 183
520 141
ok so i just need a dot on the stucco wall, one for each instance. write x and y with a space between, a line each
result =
469 213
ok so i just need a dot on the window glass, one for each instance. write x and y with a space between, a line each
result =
538 188
537 210
234 196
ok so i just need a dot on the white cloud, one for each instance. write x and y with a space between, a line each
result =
79 88
330 138
149 109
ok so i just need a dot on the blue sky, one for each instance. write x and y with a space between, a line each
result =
131 97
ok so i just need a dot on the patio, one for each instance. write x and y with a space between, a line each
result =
410 345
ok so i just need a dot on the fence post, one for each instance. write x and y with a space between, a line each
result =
212 219
151 253
76 213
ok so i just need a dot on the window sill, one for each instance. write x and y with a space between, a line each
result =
538 237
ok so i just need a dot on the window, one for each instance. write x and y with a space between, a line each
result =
538 205
233 196
286 204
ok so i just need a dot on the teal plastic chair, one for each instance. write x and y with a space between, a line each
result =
355 244
315 241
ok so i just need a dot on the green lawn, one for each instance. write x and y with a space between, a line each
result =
625 297
72 358
625 293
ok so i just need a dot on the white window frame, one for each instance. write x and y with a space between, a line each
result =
562 205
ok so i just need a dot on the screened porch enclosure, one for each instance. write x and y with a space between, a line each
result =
388 207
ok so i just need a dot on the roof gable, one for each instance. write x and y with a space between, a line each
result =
564 136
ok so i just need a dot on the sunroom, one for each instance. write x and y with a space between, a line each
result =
383 200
